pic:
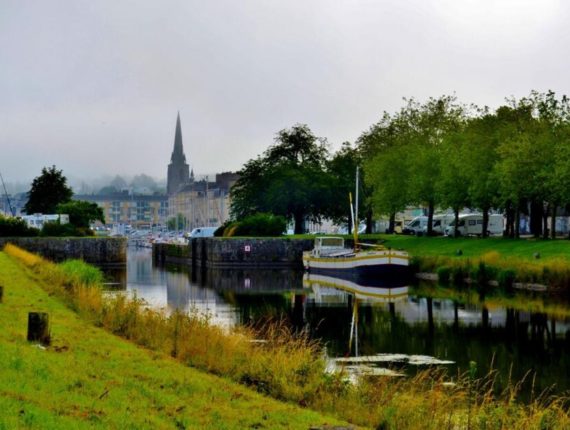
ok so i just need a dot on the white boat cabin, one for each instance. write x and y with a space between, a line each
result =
330 247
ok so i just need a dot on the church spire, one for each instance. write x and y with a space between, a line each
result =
178 170
178 156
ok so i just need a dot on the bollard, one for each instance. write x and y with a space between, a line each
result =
1 293
38 328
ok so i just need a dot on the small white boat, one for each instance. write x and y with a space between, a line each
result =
365 264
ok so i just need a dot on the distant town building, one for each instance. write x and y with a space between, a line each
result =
194 203
139 211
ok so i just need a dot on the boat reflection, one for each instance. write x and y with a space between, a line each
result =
326 289
331 290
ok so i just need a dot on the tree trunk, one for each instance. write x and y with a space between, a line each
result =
299 223
369 220
517 222
553 222
456 217
536 211
545 221
485 222
509 230
392 224
430 219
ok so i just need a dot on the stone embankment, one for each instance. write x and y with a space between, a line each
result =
230 253
94 250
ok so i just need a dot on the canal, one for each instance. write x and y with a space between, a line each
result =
402 329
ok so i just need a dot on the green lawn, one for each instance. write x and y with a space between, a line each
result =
89 378
473 247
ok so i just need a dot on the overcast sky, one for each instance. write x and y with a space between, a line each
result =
94 86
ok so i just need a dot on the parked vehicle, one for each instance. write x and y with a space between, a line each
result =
472 224
416 225
439 223
203 232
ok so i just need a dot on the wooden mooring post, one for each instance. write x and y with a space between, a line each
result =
1 293
38 328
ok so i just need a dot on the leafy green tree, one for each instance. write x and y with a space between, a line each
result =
48 190
453 182
342 175
430 123
389 172
479 153
289 179
81 213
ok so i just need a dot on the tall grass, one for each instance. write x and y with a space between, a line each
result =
291 367
554 272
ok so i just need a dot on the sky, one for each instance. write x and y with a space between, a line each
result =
94 87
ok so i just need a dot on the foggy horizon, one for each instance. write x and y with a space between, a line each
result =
94 88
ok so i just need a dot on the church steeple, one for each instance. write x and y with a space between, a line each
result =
178 170
178 152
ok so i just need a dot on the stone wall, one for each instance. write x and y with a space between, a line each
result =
94 250
229 253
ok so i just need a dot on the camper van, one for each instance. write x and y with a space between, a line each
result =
439 223
416 225
472 224
203 232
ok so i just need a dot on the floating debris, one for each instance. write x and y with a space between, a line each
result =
414 360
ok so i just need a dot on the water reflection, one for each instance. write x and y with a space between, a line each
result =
511 334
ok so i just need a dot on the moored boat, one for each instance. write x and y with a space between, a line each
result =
363 264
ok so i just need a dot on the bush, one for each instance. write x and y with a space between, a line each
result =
458 274
13 227
444 275
55 229
506 278
260 224
221 230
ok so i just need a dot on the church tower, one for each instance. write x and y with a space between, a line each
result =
178 170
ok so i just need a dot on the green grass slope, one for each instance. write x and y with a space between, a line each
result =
89 378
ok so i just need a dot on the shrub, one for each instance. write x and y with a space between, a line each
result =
12 227
444 274
458 274
506 278
55 229
260 224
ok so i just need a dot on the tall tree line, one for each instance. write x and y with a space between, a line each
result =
445 154
440 153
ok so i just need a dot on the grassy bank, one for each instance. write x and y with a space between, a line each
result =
504 260
89 378
282 365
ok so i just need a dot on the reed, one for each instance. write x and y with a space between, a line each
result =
289 366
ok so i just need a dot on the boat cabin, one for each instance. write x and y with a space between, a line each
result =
329 247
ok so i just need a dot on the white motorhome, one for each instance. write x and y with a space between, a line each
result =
472 224
38 220
440 223
203 232
416 225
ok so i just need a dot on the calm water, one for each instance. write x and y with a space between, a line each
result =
391 328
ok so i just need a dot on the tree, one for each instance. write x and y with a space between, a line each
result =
429 124
81 213
342 175
289 179
48 190
388 171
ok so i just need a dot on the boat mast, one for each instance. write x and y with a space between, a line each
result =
355 227
7 197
